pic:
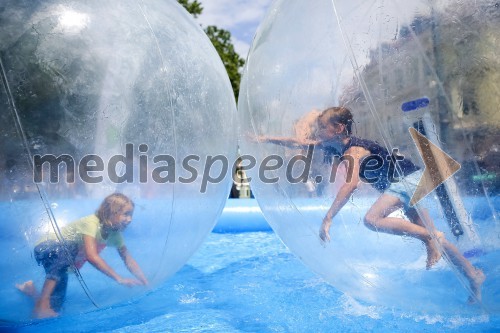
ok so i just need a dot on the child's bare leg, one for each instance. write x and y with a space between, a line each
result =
475 276
377 219
433 252
42 305
28 288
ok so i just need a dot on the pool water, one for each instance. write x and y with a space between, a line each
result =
250 282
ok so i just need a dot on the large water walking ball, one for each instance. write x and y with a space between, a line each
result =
427 65
100 97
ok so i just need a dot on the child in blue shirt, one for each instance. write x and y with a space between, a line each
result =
333 136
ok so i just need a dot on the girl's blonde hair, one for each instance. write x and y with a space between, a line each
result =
111 205
339 115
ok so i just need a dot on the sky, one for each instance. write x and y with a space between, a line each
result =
240 17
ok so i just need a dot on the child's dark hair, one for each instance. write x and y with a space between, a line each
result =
340 115
111 205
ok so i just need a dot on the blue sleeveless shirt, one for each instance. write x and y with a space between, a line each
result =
380 168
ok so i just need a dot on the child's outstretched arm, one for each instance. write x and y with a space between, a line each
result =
95 259
355 155
132 265
290 142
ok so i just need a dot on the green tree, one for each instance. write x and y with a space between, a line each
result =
193 7
221 39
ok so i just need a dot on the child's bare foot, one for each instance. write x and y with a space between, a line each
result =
27 288
433 252
476 281
43 310
44 313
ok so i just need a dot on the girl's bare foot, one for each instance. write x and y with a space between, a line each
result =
44 313
433 252
43 310
476 281
28 288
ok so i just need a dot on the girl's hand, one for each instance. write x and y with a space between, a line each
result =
144 282
129 282
324 231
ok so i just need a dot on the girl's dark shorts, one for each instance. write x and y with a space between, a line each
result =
56 257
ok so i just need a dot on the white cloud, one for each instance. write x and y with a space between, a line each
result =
241 47
240 17
228 14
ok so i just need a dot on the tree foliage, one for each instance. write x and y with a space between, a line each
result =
221 39
193 7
